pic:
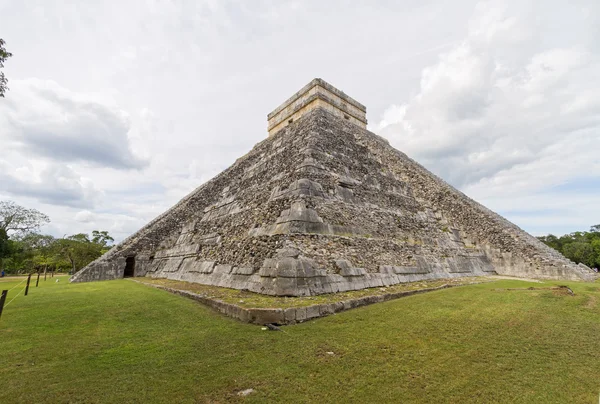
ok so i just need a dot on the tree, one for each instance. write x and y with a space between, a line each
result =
78 250
80 237
19 257
580 253
17 221
552 241
596 247
581 247
102 238
38 252
4 54
4 244
20 220
40 246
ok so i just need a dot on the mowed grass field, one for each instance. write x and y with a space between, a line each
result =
120 341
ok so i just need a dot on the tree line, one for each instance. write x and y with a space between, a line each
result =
580 246
23 249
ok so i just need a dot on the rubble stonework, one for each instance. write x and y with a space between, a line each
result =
323 206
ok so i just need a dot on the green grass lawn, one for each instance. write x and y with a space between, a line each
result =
16 284
120 341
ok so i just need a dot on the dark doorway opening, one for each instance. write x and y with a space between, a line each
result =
129 267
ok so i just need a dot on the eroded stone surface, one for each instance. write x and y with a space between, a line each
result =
324 206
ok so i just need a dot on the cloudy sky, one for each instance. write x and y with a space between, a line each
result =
117 109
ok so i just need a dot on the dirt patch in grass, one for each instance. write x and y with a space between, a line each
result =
556 290
248 299
591 302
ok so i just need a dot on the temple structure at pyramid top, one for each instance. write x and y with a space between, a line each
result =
322 205
317 94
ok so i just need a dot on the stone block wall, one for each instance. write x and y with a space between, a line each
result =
317 94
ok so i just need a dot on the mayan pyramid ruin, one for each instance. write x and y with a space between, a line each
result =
322 205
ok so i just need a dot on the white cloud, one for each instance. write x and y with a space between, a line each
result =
84 216
51 184
42 118
504 114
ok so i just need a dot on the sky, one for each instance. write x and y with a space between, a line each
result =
118 109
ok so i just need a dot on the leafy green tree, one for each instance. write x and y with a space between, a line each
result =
102 238
80 237
596 247
73 251
20 257
581 247
552 241
40 246
4 54
78 250
37 252
8 248
4 245
580 252
17 221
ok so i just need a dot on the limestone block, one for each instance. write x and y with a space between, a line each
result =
357 283
342 264
188 264
299 213
184 238
303 186
353 272
172 264
285 286
311 163
344 194
312 312
203 267
267 316
326 309
244 316
423 265
242 270
268 271
287 267
301 314
208 239
289 315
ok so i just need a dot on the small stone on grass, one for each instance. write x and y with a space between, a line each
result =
244 393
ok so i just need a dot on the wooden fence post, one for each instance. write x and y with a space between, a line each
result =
27 287
38 280
2 300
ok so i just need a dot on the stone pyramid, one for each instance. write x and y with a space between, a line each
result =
323 206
